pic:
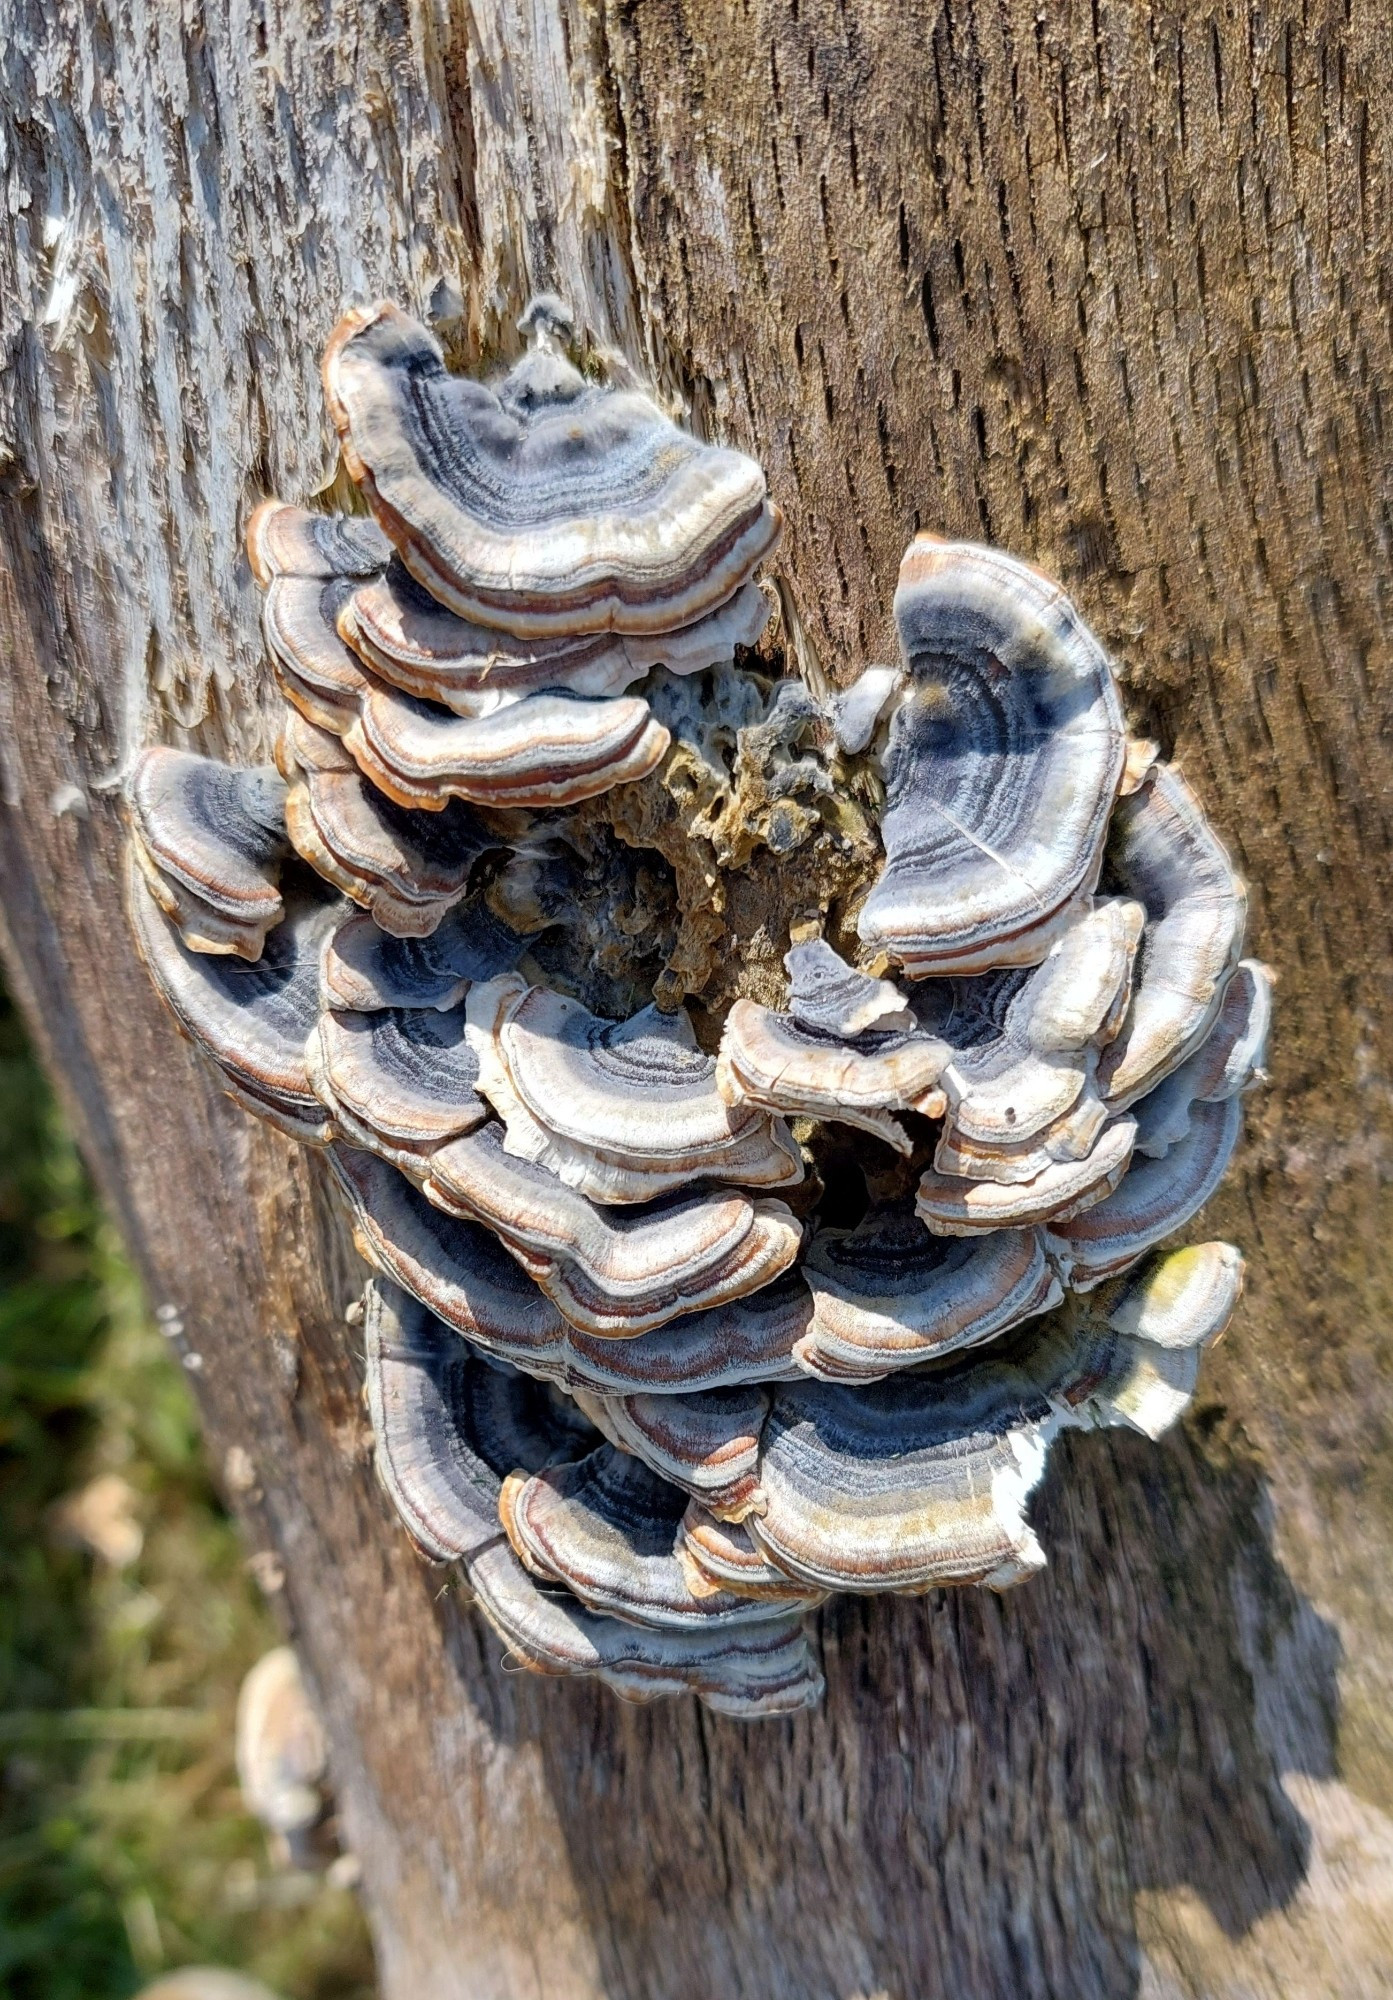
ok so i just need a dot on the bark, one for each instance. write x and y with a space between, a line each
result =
1106 286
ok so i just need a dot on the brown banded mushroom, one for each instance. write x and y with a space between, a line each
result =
210 842
623 1111
888 1295
445 1428
318 675
771 1061
1003 763
953 1206
544 750
706 1441
409 639
722 1555
400 1082
1025 1049
1164 852
251 1019
1156 1197
609 1529
407 868
365 968
290 541
547 505
921 1481
615 1273
462 1272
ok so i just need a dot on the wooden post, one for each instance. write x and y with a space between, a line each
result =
1108 287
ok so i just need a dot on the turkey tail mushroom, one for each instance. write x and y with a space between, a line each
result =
290 541
888 1295
606 1374
400 631
462 1272
609 1528
622 1111
772 1061
547 505
445 1428
407 868
210 842
251 1019
1164 852
615 1274
1003 763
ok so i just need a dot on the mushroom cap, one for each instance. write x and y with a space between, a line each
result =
723 1555
768 1059
365 968
411 640
952 1206
407 867
458 1269
1003 763
621 1110
706 1442
903 1485
747 1671
251 1019
1164 852
1177 1305
547 505
218 832
608 1528
447 1425
833 998
1071 1136
1157 1197
463 1273
1025 1041
888 1295
298 619
1227 1062
290 541
201 926
1182 1299
542 750
402 1079
906 1484
281 1753
616 1274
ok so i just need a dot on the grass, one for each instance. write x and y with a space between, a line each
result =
124 1850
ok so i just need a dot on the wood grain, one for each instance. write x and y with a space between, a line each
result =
1107 286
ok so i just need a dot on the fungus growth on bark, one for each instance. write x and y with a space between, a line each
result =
762 1115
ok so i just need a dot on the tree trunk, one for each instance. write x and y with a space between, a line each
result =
1106 286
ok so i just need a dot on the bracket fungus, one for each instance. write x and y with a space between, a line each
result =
660 1348
210 842
1004 760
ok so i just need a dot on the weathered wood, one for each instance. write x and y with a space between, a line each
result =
1106 286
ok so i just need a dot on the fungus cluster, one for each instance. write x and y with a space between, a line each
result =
682 1321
